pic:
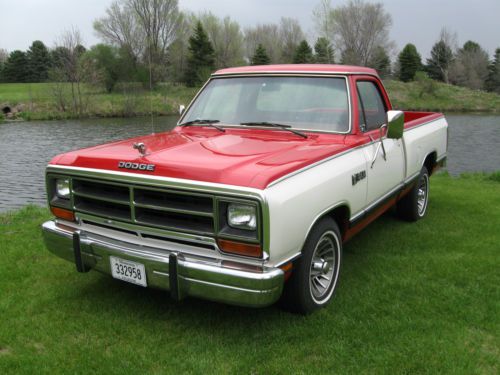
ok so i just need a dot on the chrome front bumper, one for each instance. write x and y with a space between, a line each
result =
182 275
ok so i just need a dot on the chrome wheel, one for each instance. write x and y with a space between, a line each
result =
423 194
324 267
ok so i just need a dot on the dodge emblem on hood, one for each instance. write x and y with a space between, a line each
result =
136 166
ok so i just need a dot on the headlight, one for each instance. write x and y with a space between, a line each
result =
242 216
62 188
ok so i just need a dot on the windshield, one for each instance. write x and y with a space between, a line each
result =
313 103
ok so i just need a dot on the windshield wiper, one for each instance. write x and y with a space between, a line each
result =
204 122
274 125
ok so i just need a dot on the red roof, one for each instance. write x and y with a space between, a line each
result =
295 68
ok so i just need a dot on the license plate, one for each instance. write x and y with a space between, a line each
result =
127 270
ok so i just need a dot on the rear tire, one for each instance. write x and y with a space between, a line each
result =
413 206
315 275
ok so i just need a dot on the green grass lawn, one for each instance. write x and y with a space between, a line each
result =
413 298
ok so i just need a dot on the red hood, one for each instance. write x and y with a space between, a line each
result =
243 157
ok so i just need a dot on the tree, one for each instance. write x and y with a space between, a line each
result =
409 63
323 17
16 67
144 28
470 67
67 68
201 57
381 62
3 58
358 29
439 63
269 36
226 38
291 35
39 62
303 53
493 81
323 51
106 65
260 56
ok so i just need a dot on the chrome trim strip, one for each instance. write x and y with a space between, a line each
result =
130 177
288 260
444 156
376 202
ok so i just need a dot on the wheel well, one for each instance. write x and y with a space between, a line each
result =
341 216
430 162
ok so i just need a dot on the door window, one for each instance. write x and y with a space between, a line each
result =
372 107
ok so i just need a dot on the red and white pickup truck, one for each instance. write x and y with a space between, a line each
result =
251 197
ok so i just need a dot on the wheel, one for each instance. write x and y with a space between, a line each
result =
413 206
315 275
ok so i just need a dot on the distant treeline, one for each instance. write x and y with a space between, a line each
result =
151 41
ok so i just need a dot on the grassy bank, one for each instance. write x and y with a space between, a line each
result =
434 96
413 298
37 101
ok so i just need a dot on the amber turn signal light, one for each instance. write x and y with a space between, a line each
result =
240 248
61 213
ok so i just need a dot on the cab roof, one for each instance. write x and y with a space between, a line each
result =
298 68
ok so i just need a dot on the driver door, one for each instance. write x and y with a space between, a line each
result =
384 165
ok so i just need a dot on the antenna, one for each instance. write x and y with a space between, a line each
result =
150 86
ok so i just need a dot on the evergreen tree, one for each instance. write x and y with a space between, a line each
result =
201 58
16 67
303 53
323 51
493 80
440 61
260 56
409 63
39 62
380 61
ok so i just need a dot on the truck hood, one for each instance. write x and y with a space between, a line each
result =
242 157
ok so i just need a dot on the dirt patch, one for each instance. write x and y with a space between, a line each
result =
4 351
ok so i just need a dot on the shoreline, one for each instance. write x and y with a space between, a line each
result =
34 101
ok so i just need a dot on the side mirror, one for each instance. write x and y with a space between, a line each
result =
395 124
182 107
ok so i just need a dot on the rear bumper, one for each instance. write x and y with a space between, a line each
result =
183 276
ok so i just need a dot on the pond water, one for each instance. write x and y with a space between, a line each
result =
26 148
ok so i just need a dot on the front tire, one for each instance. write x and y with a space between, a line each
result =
315 274
413 206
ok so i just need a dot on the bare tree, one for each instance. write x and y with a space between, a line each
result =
269 36
291 35
68 68
470 67
3 55
226 37
146 28
120 28
359 29
323 19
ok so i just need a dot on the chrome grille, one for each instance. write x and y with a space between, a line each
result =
162 208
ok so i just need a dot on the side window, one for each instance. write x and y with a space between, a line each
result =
372 105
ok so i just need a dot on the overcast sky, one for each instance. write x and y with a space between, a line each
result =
416 21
